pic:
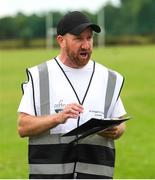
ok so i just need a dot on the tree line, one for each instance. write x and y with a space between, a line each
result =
133 18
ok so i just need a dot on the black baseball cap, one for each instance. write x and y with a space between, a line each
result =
74 23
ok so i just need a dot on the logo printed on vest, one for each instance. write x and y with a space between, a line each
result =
59 106
97 114
88 114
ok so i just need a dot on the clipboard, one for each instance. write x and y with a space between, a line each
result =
93 126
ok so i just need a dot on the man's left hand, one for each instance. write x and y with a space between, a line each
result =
113 132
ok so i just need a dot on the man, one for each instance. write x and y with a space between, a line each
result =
64 93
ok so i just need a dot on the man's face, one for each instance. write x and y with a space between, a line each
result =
79 48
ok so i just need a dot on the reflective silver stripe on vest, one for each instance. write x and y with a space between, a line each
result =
50 139
66 168
94 169
57 139
110 91
44 103
44 89
98 140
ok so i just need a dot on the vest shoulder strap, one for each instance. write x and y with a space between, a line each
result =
114 86
44 89
43 80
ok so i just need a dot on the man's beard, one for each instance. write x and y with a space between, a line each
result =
78 59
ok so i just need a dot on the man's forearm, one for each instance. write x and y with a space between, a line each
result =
29 125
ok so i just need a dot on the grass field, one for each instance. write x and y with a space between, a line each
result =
135 150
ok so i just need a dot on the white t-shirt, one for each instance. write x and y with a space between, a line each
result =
79 79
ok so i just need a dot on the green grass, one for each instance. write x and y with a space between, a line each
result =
135 150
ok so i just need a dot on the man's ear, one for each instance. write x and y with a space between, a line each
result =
61 41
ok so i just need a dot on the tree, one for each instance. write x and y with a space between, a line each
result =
26 36
8 28
112 20
146 18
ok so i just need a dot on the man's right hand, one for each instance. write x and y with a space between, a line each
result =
70 111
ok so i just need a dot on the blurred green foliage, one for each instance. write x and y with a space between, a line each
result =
134 19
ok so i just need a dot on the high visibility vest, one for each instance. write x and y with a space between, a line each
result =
50 154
